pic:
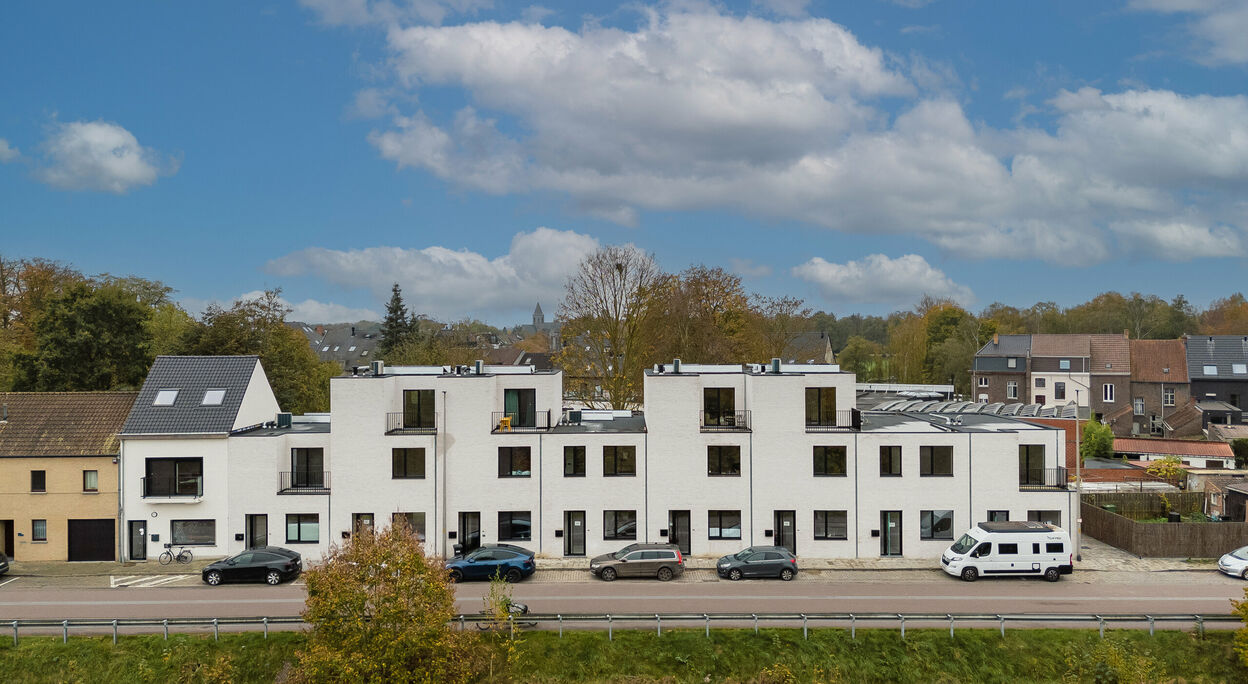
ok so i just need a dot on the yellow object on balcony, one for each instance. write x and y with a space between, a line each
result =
504 424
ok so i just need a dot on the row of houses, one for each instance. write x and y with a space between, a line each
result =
1171 388
722 457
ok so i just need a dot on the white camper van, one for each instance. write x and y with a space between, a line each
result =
1010 548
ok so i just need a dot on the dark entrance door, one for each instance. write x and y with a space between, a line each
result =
574 533
137 543
678 530
257 531
469 531
91 540
890 533
6 526
786 530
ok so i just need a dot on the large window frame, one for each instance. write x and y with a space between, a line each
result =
821 406
415 521
307 467
1031 464
193 532
515 461
509 530
719 406
723 524
407 463
419 409
723 460
38 481
173 476
936 524
616 524
830 461
574 461
520 404
890 461
91 481
1167 396
39 530
831 525
619 461
306 528
1011 389
1107 393
936 461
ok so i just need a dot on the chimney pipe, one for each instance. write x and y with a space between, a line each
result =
996 339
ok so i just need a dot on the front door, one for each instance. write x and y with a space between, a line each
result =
469 531
574 533
678 530
786 530
7 527
890 533
138 540
257 531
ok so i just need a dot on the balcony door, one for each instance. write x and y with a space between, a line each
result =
521 406
719 406
1031 464
307 468
418 410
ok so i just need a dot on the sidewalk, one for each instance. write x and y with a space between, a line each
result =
103 568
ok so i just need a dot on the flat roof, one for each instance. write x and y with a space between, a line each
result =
318 428
617 424
906 421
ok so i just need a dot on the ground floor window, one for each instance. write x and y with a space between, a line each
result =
303 528
1050 517
935 524
39 530
831 525
515 525
415 522
193 532
724 525
361 522
998 516
619 524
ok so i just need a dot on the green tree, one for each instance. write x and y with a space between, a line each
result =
1097 440
863 358
1240 449
380 610
775 323
705 314
88 338
397 324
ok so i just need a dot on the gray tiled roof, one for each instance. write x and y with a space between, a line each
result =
1007 345
191 376
1216 350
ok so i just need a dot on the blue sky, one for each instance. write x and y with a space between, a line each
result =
857 154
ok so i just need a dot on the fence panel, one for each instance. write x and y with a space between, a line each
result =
1163 540
1143 505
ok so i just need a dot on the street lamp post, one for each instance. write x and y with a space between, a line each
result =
1078 487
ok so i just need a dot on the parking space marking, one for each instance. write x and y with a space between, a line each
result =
9 581
143 581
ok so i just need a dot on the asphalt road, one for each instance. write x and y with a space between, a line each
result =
1153 593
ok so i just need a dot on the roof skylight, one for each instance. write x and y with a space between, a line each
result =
165 397
213 397
1211 370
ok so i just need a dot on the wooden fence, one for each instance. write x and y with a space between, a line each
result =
1163 540
1145 505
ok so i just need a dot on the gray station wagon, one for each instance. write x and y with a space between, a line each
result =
662 561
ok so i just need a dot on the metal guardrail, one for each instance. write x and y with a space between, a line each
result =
640 620
399 423
724 421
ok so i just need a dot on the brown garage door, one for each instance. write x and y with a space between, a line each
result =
91 540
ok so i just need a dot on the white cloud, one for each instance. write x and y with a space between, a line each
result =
1181 241
1218 27
746 268
881 280
102 156
307 311
443 282
7 153
366 12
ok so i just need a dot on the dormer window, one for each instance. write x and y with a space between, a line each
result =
213 397
1011 363
165 397
1063 364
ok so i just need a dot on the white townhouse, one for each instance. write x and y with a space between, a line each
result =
723 456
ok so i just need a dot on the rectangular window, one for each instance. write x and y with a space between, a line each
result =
407 464
515 462
307 468
521 407
418 409
303 528
1031 464
619 461
90 480
723 525
193 532
619 524
821 406
998 516
1063 364
935 461
935 524
39 530
830 461
574 461
1040 382
174 477
890 461
213 397
719 406
165 397
1011 363
1239 368
1007 549
38 481
1107 392
1051 517
415 522
723 461
361 522
1137 405
515 526
1011 389
1059 390
983 381
831 525
1167 396
1211 370
1054 547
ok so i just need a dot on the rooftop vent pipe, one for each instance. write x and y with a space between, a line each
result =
775 365
675 365
479 367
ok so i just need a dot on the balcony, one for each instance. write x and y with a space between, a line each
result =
399 423
1042 480
725 421
304 482
849 419
502 421
186 487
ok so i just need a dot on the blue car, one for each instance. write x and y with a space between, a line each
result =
512 563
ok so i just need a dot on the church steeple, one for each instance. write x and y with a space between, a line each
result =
538 317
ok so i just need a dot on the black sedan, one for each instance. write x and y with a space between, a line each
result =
268 564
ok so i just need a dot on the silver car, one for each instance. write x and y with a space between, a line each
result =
1235 563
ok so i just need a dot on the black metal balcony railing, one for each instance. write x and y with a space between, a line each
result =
173 487
503 421
725 421
848 419
304 482
399 423
1041 479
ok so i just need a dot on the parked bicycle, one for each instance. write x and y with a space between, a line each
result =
183 555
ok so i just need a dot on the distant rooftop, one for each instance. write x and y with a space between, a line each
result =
590 420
